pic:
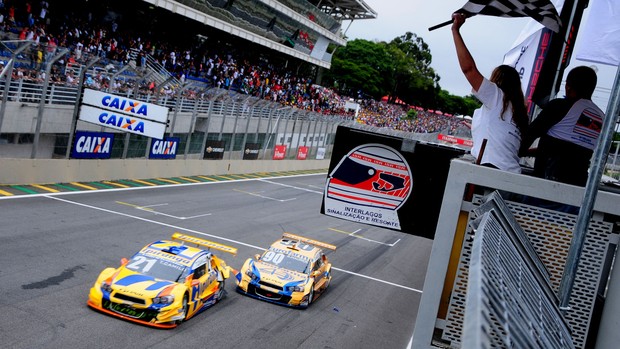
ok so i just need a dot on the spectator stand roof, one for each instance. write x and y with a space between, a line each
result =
347 10
205 13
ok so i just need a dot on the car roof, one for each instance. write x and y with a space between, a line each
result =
300 248
173 251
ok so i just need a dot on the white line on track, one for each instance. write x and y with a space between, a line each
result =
291 186
353 234
150 210
214 236
263 196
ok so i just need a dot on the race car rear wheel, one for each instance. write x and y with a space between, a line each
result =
221 292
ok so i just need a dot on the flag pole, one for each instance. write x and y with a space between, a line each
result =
567 32
437 26
591 189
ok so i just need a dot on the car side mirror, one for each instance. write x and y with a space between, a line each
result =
257 257
124 261
189 278
315 273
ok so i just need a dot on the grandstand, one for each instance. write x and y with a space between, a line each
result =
298 28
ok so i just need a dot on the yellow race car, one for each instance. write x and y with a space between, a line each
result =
293 272
163 284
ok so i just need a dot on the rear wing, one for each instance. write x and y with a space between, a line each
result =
309 241
204 243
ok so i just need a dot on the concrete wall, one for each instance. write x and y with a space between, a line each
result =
31 171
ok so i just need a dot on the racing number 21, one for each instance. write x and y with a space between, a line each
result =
136 264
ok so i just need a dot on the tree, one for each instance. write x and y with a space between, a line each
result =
399 69
416 82
360 66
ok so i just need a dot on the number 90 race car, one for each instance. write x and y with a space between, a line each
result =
163 284
293 272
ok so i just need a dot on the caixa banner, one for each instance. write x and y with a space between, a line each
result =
164 148
387 181
92 145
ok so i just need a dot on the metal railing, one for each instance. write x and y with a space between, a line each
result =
505 308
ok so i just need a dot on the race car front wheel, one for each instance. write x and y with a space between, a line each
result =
185 306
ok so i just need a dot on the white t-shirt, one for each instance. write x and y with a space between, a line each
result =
503 136
581 125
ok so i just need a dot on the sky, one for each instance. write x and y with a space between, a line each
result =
488 39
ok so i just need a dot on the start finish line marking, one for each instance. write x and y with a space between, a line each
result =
149 209
353 234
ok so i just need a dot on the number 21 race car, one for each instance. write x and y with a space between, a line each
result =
163 284
293 272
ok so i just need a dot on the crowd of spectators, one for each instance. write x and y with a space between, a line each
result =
230 69
396 117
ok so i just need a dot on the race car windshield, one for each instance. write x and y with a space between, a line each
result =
157 268
295 263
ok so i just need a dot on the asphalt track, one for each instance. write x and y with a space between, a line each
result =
55 245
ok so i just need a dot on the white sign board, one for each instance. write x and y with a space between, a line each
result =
126 106
122 122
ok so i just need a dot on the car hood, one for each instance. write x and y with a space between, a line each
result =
138 285
277 276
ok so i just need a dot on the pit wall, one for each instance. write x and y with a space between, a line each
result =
41 171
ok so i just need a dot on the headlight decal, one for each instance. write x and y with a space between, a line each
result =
295 286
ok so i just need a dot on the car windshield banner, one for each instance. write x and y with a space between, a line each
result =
251 151
164 148
387 181
92 145
214 150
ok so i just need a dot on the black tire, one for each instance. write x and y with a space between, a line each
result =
329 279
186 307
221 292
311 296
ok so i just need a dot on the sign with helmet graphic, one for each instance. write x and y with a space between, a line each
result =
386 181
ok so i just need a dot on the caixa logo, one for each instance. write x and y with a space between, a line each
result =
164 148
92 145
125 105
122 122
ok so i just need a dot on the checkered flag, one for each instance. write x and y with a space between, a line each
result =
542 11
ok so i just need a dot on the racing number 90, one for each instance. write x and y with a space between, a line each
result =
273 257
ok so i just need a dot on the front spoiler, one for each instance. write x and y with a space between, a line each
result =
168 325
241 291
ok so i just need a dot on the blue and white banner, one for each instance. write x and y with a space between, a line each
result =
164 148
122 122
125 106
92 145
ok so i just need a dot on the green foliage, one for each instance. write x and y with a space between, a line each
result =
361 65
412 114
398 69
